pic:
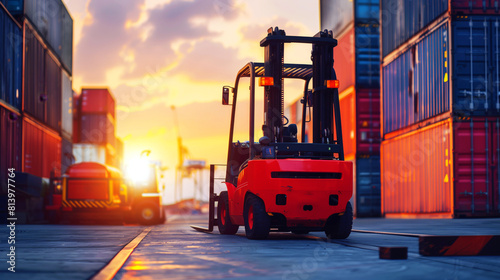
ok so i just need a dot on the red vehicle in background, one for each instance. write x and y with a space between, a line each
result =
279 183
91 190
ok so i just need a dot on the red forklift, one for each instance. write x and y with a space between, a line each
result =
279 183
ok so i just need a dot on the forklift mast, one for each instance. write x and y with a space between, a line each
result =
325 100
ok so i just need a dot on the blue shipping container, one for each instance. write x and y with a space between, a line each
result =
416 84
11 46
52 21
336 15
401 19
367 202
367 49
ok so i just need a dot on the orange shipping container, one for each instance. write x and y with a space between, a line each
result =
449 169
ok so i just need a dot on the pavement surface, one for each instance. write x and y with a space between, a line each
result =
175 251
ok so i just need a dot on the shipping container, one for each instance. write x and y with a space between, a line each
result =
402 19
11 45
366 197
42 81
448 169
67 106
416 85
67 157
10 143
360 111
97 129
51 19
90 153
337 15
76 118
53 89
97 100
41 149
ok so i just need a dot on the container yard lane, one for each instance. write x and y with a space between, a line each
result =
175 251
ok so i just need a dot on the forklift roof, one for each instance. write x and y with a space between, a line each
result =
297 71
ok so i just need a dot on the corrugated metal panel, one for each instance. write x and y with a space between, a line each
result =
11 44
97 129
344 60
97 101
367 121
401 19
475 154
417 171
42 82
41 150
34 78
52 21
476 65
66 50
53 89
367 55
67 106
348 115
89 153
67 155
10 144
416 84
366 10
396 97
368 186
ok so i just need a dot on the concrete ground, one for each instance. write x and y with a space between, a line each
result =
175 251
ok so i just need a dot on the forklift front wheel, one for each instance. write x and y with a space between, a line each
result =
223 220
257 222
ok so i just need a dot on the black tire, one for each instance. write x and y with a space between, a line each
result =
147 214
257 222
340 226
223 220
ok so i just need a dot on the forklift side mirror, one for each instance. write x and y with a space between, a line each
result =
225 95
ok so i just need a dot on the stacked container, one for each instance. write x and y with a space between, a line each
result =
355 24
440 108
10 95
95 122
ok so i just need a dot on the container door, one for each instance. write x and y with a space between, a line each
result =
474 163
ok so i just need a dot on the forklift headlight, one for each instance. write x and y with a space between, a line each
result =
266 81
332 83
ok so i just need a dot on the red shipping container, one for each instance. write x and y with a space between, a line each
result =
10 143
76 118
475 6
360 111
41 150
97 100
344 60
434 171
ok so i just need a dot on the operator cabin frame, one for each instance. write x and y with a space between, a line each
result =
324 95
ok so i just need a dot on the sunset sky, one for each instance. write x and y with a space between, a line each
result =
153 54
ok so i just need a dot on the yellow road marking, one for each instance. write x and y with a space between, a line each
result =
110 270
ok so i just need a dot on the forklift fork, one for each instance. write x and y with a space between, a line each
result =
213 197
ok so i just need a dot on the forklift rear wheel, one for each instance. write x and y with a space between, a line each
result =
147 214
339 226
257 222
223 220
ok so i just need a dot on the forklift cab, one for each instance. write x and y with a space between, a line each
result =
279 139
